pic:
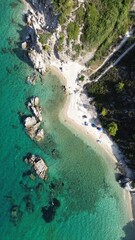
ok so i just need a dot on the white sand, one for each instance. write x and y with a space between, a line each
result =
77 105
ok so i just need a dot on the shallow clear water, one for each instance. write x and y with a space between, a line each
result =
91 202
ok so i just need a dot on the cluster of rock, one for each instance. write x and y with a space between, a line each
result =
38 164
32 124
48 212
32 78
35 22
34 106
125 178
40 19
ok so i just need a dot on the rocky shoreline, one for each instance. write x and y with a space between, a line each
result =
40 40
37 25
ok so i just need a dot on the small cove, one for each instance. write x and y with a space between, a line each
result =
92 206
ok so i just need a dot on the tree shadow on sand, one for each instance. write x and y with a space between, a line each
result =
129 231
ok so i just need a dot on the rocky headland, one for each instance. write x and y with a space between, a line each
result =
41 44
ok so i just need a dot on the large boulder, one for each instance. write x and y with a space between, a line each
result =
33 105
38 61
38 164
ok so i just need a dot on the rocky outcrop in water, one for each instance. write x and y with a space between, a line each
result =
32 79
34 106
32 124
38 164
32 127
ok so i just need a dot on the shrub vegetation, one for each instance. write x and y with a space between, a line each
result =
101 22
115 92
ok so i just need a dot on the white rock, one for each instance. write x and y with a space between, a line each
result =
39 165
36 101
39 135
24 45
30 121
37 60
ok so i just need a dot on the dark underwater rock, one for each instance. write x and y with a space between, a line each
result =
4 50
55 203
15 214
29 204
25 187
26 173
48 212
39 187
56 186
55 153
13 4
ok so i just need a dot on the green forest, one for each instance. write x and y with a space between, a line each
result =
114 98
101 22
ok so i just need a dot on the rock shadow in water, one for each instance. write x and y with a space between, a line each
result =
129 231
48 212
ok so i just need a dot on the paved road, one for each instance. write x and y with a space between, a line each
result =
114 64
124 40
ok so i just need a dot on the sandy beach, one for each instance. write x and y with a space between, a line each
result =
78 115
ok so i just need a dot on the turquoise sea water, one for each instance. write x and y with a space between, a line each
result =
82 179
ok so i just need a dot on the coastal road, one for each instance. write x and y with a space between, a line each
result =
124 40
115 63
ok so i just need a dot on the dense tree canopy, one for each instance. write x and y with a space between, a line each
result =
112 128
100 21
116 92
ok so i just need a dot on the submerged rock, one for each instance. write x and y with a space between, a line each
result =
15 214
29 204
26 173
32 79
56 187
55 153
48 212
39 187
25 187
55 203
32 176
